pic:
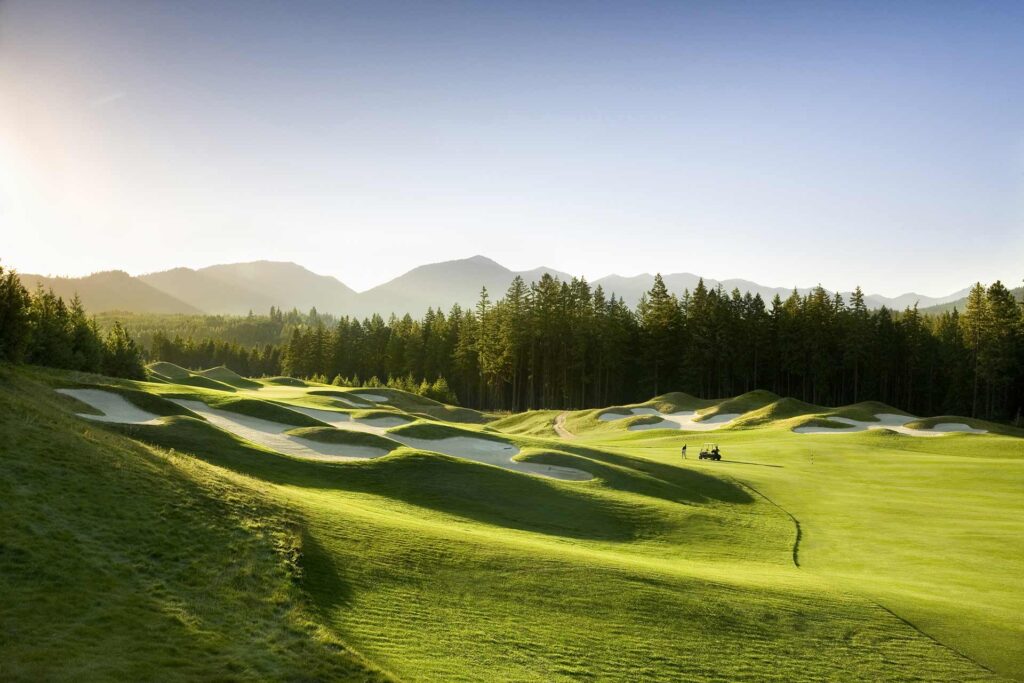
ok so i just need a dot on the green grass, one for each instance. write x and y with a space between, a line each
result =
229 377
265 410
533 422
120 561
169 371
332 435
285 381
436 568
744 403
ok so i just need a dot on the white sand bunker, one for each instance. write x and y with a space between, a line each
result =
491 453
374 398
271 435
115 408
683 419
892 422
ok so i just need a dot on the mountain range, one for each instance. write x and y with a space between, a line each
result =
238 288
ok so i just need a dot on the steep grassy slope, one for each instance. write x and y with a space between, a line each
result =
124 562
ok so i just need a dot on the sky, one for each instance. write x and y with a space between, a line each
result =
791 143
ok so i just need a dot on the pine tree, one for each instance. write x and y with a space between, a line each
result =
121 357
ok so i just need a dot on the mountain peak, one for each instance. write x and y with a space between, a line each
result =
482 260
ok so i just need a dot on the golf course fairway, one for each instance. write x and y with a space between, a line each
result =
534 547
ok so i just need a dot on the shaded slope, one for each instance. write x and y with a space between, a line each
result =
134 564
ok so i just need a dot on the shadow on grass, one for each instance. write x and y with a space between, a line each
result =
463 488
321 577
646 477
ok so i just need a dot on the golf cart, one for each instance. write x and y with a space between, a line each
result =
709 451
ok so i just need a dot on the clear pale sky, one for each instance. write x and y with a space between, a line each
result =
789 143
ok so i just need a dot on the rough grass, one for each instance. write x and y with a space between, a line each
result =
285 381
169 371
744 403
119 561
533 422
332 435
865 411
229 377
262 409
781 409
437 430
437 568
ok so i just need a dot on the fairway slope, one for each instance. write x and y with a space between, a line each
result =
441 550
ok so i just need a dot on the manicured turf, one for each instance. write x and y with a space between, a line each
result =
436 568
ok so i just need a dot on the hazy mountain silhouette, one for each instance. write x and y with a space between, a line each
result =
112 290
237 288
256 286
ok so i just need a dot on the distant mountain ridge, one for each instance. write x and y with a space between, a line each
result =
238 288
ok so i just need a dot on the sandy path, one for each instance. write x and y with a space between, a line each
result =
685 420
271 435
115 408
560 427
892 422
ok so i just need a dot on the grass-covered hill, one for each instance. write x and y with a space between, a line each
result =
189 548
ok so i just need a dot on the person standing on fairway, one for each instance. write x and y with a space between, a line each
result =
684 451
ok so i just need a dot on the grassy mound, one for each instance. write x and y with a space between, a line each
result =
205 383
286 381
414 403
344 436
533 422
229 377
168 371
377 413
776 411
744 403
676 401
437 430
865 411
264 410
134 563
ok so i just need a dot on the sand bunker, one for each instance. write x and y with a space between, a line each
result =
490 453
271 435
683 419
375 398
892 422
115 408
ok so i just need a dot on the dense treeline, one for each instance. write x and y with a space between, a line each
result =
559 344
244 330
41 329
